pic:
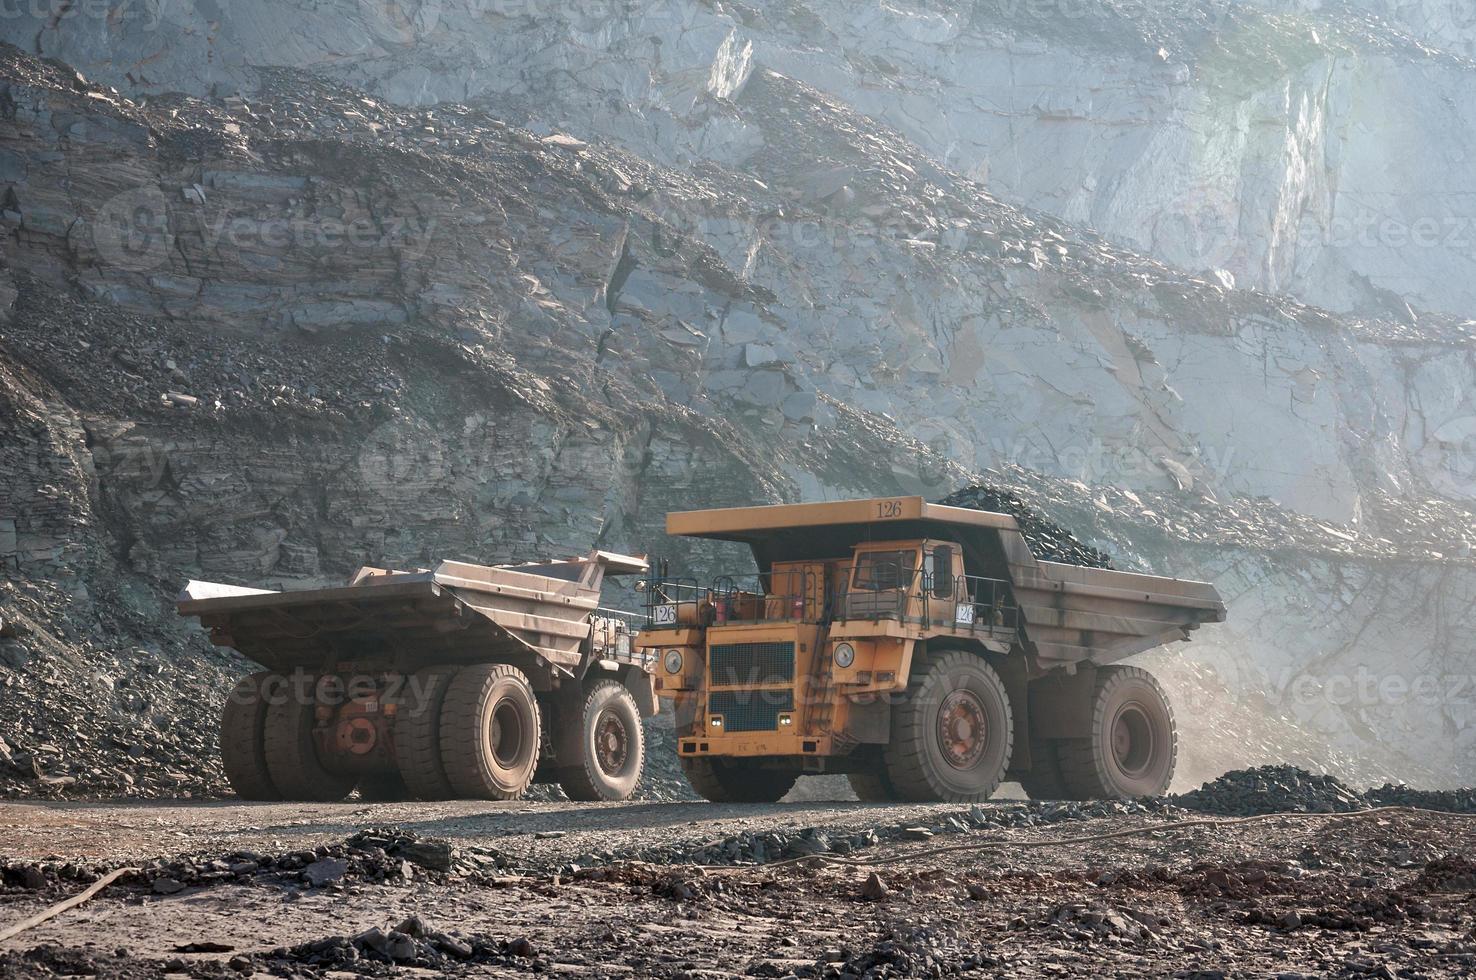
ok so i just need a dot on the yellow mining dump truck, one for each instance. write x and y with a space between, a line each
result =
461 681
919 649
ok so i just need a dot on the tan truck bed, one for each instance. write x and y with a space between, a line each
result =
454 613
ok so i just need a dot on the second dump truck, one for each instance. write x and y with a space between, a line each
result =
460 681
921 650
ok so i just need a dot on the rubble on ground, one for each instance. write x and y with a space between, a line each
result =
1271 789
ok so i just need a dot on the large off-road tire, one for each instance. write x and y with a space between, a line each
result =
292 754
1133 746
725 781
612 746
243 738
418 734
490 733
953 733
1044 780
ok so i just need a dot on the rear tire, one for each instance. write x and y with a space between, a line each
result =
292 754
953 734
490 733
1134 744
721 781
418 734
243 738
612 747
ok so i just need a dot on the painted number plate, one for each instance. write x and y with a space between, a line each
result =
664 615
963 614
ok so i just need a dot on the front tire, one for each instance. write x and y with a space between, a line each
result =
1134 744
490 733
953 734
612 747
724 781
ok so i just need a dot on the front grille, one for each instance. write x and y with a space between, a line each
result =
750 711
750 664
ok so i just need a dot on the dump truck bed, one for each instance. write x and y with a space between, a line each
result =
1069 613
454 613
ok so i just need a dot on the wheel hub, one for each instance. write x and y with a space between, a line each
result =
506 733
612 742
963 733
1132 740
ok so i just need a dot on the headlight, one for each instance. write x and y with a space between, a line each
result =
673 661
845 655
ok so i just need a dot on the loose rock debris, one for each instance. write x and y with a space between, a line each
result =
1337 897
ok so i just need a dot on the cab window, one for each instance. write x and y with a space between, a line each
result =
880 571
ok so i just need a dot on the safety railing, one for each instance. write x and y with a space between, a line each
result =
966 603
612 636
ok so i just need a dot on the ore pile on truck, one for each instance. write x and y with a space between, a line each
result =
461 681
920 649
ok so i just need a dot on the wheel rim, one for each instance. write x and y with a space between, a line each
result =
507 733
963 731
1132 740
611 742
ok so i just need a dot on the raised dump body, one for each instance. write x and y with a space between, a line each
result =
458 681
918 648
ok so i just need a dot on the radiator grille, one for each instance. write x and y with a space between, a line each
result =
750 711
750 664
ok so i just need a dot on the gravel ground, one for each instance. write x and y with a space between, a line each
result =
1337 895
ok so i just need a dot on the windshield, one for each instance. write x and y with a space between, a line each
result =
878 571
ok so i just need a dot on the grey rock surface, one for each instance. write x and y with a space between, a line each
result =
263 326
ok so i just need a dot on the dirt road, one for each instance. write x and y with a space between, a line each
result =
1383 895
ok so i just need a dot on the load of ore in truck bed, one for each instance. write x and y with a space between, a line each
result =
1048 541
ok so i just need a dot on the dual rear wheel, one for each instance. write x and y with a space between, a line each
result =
952 738
474 732
1131 749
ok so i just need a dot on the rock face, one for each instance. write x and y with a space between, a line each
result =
1290 146
270 326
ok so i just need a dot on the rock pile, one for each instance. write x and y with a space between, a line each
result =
1048 541
1288 789
411 943
1449 800
1271 789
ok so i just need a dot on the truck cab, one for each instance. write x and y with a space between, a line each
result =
881 638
